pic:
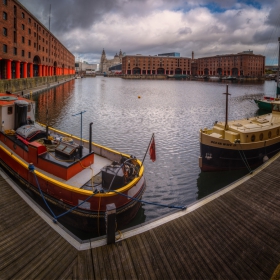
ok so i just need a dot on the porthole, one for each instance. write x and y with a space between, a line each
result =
269 134
261 136
253 137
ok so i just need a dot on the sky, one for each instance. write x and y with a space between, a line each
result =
151 27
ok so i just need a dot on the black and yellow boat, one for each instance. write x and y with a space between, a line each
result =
239 144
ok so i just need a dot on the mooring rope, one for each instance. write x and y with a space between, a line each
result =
32 169
153 203
243 157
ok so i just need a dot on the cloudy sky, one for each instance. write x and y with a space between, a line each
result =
150 27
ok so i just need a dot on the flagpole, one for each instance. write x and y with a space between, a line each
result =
147 149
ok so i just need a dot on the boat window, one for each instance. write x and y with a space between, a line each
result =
253 137
261 136
275 107
269 134
10 110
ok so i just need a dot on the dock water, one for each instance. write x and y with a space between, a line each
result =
232 234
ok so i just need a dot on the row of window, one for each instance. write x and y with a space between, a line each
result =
15 52
5 16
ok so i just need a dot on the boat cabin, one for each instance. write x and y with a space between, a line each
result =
54 154
15 111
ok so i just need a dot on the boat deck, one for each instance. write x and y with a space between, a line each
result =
78 180
232 234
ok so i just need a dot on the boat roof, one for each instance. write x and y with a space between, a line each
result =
9 99
253 124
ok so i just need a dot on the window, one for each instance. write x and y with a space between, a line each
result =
5 16
10 110
5 48
22 53
29 54
5 31
15 23
34 45
34 24
15 51
34 34
5 2
15 36
29 20
22 15
22 26
22 39
29 42
29 31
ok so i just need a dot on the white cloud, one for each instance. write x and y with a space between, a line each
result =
150 27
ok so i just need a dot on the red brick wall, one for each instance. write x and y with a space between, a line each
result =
40 36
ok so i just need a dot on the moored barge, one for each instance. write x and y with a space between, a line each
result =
240 144
71 177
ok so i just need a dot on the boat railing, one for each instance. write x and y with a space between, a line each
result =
97 149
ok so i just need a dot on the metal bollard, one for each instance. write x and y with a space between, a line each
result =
110 220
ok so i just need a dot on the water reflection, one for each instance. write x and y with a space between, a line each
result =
207 182
173 110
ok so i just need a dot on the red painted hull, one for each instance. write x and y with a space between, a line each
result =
90 215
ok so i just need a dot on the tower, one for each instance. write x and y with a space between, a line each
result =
103 60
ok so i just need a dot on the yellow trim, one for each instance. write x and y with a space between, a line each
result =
73 189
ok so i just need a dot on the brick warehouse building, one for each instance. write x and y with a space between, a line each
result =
242 64
155 65
28 49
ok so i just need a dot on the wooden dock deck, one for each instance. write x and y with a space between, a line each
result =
234 236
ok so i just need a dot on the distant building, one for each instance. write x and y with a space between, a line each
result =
240 64
170 54
155 65
116 68
105 63
84 67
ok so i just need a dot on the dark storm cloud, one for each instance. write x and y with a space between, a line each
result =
69 14
150 27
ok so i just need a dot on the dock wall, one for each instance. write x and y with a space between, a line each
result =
14 85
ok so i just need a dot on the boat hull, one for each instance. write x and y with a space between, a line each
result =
61 197
264 105
221 155
80 219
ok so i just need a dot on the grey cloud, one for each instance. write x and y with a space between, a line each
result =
82 15
184 31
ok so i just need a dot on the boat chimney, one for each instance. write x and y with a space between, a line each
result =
90 136
226 123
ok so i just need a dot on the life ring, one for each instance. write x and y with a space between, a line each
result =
67 140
